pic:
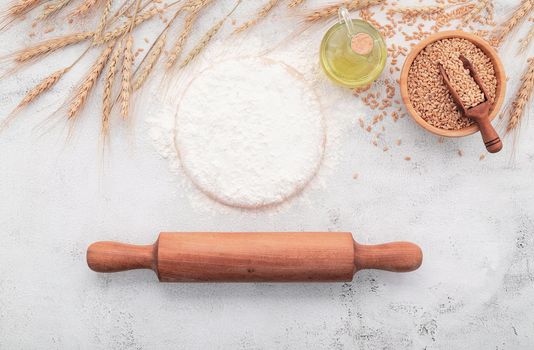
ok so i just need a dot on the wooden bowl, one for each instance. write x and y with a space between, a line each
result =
481 44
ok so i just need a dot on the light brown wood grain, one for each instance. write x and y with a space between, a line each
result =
115 256
478 113
254 257
240 256
480 43
395 256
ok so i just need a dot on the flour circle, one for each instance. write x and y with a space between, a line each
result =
249 132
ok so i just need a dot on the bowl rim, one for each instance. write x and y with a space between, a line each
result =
481 44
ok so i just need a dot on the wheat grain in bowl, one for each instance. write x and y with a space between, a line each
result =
428 93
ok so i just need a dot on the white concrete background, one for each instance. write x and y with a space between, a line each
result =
474 220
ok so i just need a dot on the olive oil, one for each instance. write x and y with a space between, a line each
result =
340 59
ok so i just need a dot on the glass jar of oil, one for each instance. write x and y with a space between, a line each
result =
353 53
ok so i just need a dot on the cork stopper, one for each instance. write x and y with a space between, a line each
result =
362 43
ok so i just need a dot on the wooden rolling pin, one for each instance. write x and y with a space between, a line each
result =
254 257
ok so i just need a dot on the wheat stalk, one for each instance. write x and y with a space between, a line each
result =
331 10
84 8
50 46
150 63
517 17
525 42
108 89
262 13
50 9
126 84
180 42
522 97
295 3
88 83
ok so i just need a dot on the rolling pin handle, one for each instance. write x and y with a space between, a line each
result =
394 256
115 257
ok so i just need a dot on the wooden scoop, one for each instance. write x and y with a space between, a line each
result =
480 112
254 257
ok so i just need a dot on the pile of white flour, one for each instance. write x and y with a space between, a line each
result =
248 132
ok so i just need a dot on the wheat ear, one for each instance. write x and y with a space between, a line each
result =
16 11
50 9
180 42
39 89
42 87
103 20
123 28
108 89
516 18
525 42
262 13
152 56
150 63
331 10
417 11
21 7
84 8
88 83
50 46
206 38
195 5
522 97
295 3
126 84
410 14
